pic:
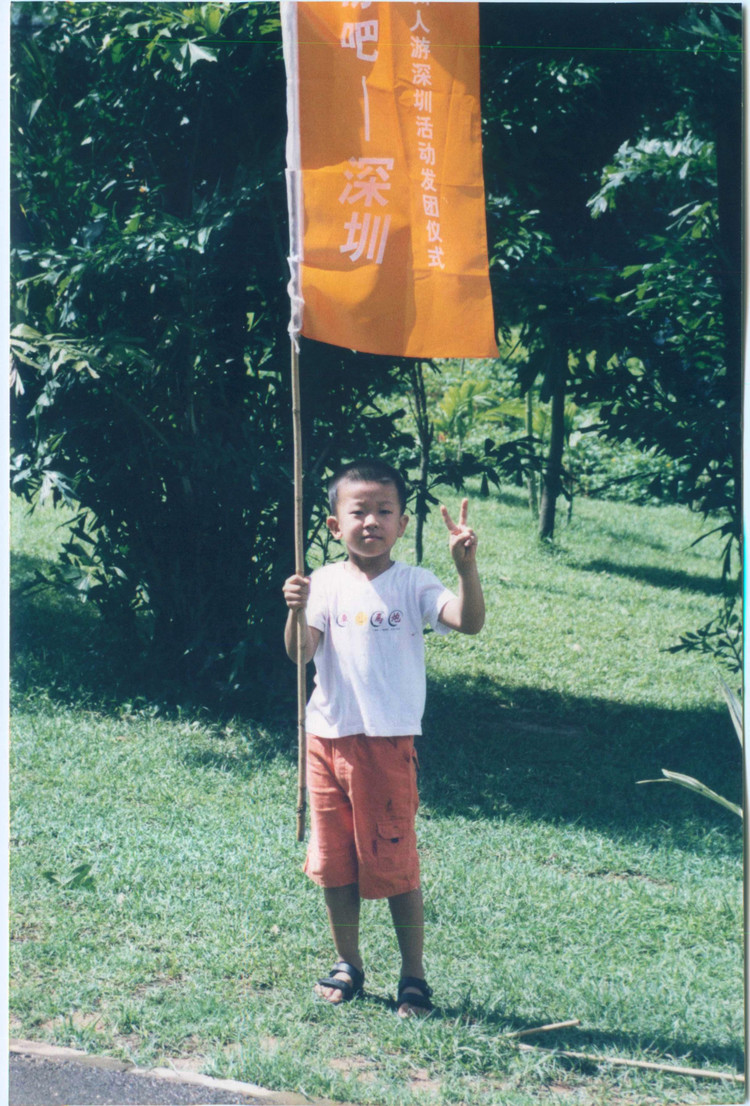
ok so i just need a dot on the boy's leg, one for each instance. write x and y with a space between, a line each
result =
331 854
407 912
342 904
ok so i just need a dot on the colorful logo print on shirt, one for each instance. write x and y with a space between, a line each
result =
379 620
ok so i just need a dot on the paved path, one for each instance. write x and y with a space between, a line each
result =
43 1075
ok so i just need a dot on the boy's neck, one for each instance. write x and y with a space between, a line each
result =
369 567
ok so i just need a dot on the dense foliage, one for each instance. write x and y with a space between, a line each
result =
640 106
150 309
613 160
151 351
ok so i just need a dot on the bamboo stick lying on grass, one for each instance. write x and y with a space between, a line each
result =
621 1061
542 1029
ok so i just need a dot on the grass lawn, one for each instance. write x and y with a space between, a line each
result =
555 887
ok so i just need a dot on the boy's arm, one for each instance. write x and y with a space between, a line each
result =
296 592
466 612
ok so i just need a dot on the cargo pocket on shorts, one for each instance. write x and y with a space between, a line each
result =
387 844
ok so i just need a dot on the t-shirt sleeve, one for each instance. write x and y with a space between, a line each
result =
432 596
317 603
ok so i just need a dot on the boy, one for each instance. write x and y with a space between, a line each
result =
363 624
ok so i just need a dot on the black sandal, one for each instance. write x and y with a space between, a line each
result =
421 1000
355 989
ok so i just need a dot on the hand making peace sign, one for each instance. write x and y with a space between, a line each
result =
463 540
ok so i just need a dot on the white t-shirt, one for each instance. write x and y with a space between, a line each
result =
370 669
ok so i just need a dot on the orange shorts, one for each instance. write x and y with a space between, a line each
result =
363 799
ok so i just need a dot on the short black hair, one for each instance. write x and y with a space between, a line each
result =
369 470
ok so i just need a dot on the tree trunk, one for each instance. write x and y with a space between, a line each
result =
424 436
532 484
421 508
552 479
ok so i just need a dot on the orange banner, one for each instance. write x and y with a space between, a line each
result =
389 244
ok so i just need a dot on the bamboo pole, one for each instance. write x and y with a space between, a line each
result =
299 568
746 897
542 1029
649 1065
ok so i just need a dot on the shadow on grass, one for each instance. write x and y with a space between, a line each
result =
489 752
57 642
262 746
667 1050
509 496
663 1049
64 646
673 1051
657 577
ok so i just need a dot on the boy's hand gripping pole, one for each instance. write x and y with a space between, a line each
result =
299 568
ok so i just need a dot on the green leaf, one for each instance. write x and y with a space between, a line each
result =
81 878
700 788
213 19
24 331
197 53
735 709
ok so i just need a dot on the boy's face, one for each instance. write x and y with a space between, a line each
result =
368 518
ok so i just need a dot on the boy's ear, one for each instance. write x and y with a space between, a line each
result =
402 525
333 525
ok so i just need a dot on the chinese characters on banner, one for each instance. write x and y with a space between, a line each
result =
386 194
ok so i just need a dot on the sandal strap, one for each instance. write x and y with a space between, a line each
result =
357 976
348 990
422 1000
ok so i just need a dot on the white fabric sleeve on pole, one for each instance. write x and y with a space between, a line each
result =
288 11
